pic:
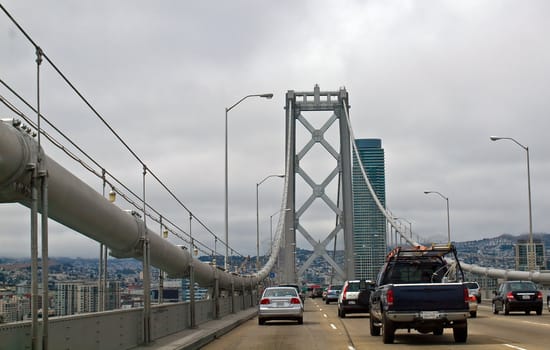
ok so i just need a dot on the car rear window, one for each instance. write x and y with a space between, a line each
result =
471 285
523 286
281 292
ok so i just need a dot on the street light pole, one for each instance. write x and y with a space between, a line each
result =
531 248
448 219
227 109
258 219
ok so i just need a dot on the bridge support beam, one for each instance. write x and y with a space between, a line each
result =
298 104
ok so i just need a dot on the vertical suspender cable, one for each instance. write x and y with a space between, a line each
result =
146 271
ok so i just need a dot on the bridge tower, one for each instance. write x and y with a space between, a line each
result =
300 105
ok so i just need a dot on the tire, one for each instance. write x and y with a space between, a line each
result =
261 321
388 335
473 314
527 312
339 312
438 331
300 320
343 313
460 334
539 311
495 310
506 308
374 329
327 302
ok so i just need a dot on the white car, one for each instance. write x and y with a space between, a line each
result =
354 297
280 303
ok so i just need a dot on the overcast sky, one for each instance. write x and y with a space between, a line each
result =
432 79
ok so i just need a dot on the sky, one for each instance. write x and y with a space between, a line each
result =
432 79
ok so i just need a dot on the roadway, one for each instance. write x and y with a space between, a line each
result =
322 329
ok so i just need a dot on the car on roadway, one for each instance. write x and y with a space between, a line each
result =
354 297
517 296
473 288
280 303
333 291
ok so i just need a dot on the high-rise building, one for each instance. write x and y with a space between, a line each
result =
521 248
369 223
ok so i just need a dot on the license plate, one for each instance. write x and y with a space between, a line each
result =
429 315
525 297
351 302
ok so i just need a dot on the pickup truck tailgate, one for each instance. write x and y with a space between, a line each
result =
428 297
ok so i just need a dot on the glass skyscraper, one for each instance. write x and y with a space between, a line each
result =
369 224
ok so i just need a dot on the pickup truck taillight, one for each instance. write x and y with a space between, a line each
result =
389 297
466 295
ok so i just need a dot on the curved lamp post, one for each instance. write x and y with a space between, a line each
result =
227 109
531 248
448 220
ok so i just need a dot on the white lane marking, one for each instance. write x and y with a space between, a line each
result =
333 326
537 323
514 347
350 347
325 315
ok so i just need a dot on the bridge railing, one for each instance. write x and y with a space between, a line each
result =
121 329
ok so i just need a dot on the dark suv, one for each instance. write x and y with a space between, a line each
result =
517 296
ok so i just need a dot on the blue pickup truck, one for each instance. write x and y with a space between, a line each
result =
420 288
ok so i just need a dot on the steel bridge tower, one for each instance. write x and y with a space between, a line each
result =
298 106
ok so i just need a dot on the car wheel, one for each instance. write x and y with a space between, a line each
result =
495 310
460 334
300 320
438 331
374 329
339 312
473 314
261 321
539 311
527 312
343 313
388 334
506 309
327 302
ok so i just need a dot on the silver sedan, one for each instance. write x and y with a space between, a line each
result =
280 303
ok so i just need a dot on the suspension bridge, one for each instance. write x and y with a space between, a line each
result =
30 177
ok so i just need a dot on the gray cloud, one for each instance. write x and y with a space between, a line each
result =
432 79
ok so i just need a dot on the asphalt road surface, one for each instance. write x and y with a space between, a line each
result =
322 329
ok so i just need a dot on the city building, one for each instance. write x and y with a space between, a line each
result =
521 248
369 223
76 297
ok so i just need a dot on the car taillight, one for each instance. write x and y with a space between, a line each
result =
467 295
295 301
389 297
344 292
472 298
265 301
539 295
509 296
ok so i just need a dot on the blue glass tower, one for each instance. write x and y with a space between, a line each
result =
369 224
